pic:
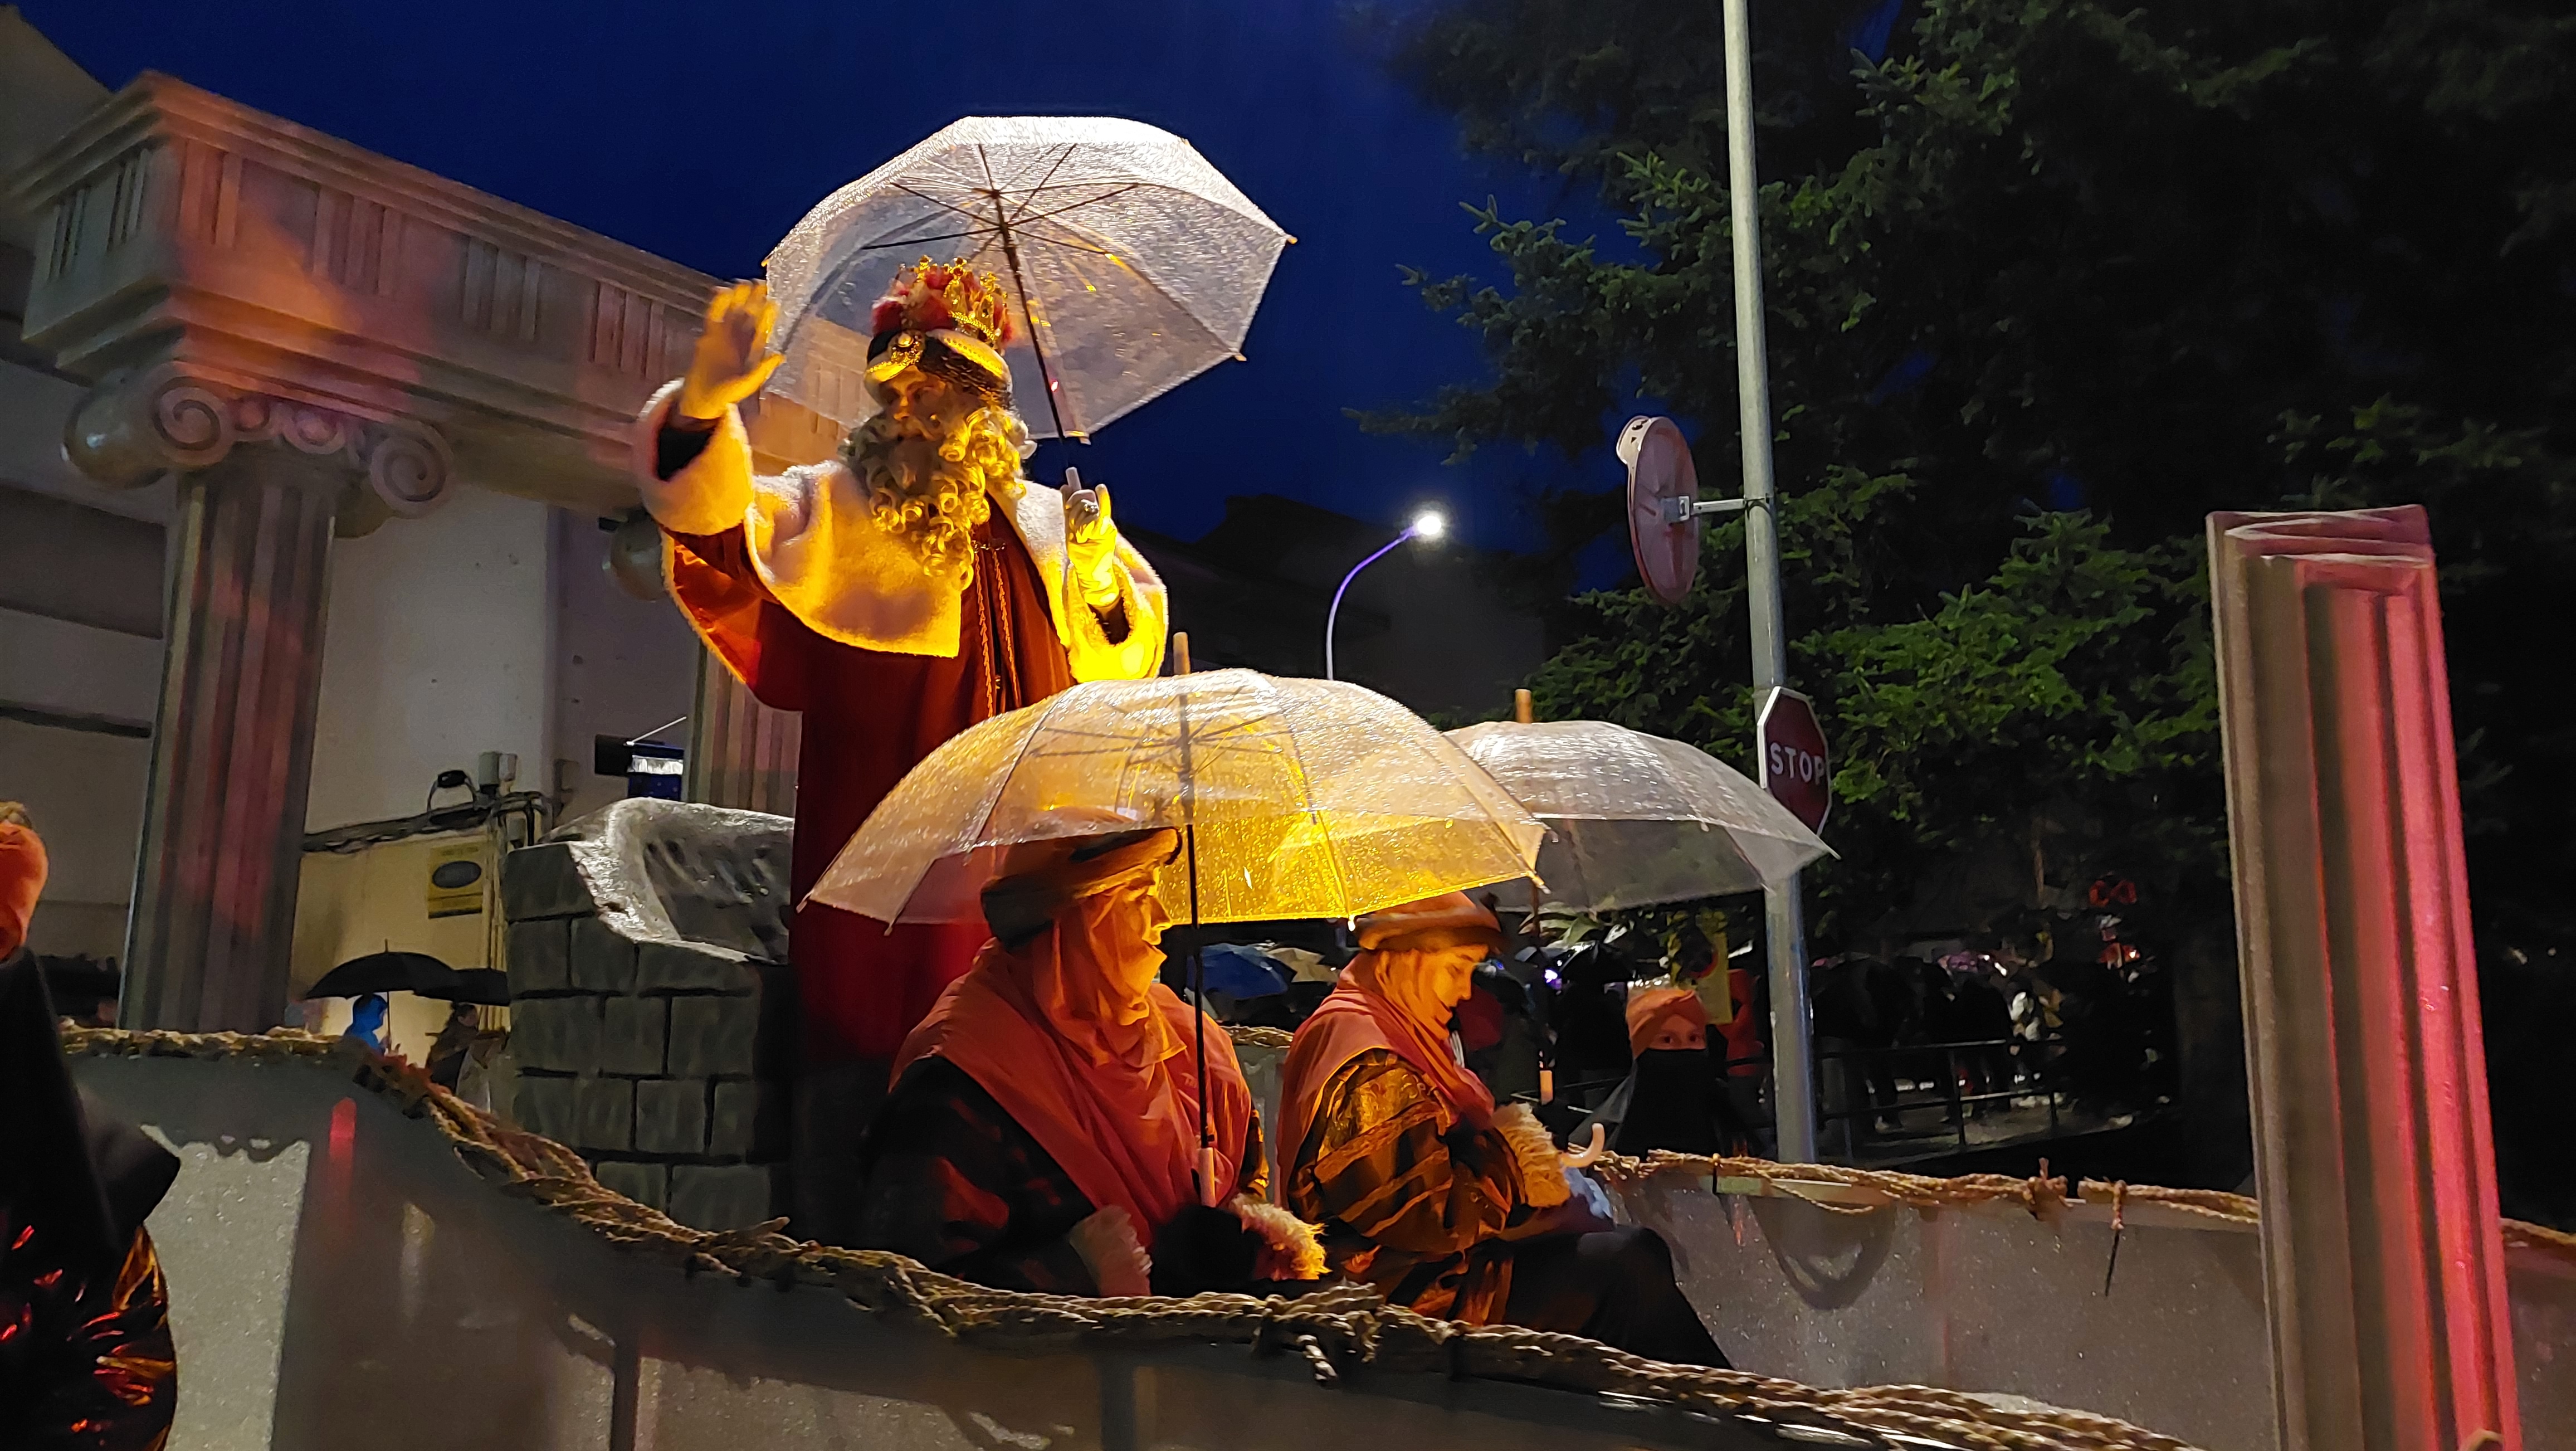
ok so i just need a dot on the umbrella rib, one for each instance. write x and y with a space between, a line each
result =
1332 851
1019 284
917 241
1031 193
1136 266
1071 207
983 821
942 202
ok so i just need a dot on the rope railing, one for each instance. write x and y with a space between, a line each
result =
1336 1331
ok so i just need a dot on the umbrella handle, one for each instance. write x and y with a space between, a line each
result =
1583 1157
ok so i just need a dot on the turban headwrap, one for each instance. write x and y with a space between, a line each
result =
1649 1009
1380 1004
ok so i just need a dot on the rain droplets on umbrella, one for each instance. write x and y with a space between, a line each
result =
1134 264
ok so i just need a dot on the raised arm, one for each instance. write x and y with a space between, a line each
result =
693 461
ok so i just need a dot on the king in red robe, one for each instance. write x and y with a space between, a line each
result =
896 595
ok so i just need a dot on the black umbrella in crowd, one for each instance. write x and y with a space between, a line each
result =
417 973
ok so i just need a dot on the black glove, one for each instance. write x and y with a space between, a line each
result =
1204 1249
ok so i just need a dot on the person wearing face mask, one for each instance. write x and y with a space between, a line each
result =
1042 1132
1673 1098
1453 1207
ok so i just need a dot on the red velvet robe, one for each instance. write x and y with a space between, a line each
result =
871 716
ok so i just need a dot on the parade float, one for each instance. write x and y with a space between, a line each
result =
356 1255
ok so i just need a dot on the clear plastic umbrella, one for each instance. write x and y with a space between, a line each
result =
1133 265
1635 819
1296 799
1305 799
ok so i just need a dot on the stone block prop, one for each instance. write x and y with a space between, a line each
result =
671 1116
603 1111
652 1007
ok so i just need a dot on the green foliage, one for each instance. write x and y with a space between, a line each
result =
2076 680
2129 265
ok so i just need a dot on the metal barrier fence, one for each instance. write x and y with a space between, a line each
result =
2014 1067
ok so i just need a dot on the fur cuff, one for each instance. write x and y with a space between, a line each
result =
1117 1260
1289 1248
709 496
1534 1153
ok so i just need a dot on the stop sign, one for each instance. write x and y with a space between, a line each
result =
1791 744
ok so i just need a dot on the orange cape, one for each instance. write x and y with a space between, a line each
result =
1117 1108
22 881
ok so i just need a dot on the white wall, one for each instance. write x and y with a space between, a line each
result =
84 795
56 665
83 790
436 648
623 665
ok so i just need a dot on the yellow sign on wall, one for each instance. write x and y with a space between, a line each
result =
455 879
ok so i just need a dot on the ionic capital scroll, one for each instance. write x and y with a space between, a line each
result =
135 427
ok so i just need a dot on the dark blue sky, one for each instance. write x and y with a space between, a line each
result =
704 131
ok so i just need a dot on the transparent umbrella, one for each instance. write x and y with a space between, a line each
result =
1295 799
1635 819
1133 264
1302 799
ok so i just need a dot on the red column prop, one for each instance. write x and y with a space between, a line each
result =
2384 1273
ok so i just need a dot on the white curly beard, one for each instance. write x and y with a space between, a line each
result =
932 467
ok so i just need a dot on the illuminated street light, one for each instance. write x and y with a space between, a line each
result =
1430 524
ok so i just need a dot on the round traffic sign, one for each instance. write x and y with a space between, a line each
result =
1662 482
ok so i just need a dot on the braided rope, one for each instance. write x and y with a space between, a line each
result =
1333 1330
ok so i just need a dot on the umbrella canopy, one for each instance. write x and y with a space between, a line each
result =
411 972
1309 799
1635 819
1132 264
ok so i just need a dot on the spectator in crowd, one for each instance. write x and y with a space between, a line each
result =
1674 1097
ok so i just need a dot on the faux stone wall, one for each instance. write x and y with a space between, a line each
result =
652 1009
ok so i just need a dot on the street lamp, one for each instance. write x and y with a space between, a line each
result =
1429 524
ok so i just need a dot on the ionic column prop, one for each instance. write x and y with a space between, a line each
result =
263 482
742 753
2384 1273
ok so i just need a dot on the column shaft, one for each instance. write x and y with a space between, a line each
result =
232 749
2384 1271
742 753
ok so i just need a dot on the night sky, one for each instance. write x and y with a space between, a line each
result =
702 132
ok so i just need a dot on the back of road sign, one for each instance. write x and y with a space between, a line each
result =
1662 483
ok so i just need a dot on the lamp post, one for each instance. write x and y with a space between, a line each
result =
1784 915
1429 524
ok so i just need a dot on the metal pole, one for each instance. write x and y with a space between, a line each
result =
1333 616
1792 1064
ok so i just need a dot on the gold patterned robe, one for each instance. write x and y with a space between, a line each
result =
1428 1218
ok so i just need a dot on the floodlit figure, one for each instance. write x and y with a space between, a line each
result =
85 1351
1043 1132
1424 1188
895 595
